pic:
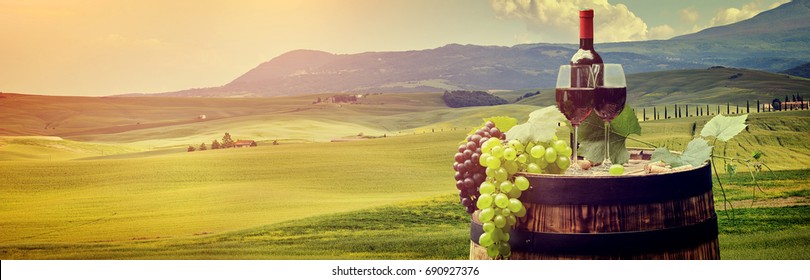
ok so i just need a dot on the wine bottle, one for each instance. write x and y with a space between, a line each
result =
586 55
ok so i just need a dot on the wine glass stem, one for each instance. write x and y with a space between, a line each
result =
606 161
574 162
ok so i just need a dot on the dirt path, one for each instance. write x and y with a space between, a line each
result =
766 202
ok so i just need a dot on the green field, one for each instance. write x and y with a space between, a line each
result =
110 188
698 87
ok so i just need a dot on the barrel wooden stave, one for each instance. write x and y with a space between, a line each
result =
616 217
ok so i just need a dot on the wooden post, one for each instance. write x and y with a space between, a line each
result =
757 105
747 107
644 114
738 109
728 108
655 113
675 112
665 112
687 110
718 109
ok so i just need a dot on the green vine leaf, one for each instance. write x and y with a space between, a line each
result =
541 126
697 152
503 123
724 128
592 136
663 154
731 169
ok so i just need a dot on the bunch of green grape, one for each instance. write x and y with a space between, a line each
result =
499 203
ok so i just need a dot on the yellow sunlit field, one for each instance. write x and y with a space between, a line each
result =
110 178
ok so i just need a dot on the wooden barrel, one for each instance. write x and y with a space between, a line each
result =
644 216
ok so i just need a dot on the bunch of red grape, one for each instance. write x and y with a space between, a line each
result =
469 172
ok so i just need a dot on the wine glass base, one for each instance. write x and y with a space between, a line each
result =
574 169
605 166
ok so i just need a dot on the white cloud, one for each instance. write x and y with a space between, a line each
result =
777 4
661 32
732 15
689 15
560 19
522 38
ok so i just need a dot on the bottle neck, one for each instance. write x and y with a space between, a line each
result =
586 30
586 43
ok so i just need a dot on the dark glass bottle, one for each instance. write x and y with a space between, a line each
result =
586 55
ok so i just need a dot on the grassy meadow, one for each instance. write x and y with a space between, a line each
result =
109 178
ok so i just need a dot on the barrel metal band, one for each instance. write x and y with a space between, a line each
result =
609 243
617 190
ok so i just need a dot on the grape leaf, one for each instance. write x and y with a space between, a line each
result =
663 154
541 126
724 128
697 152
503 123
592 136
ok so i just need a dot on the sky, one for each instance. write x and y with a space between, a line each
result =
106 47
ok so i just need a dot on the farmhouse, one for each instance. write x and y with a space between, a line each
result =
244 143
790 105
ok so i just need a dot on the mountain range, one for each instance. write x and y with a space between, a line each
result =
774 40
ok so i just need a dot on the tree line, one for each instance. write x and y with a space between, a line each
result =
684 110
227 142
465 98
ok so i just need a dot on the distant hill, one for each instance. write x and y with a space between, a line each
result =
771 41
464 98
801 70
701 86
450 67
779 24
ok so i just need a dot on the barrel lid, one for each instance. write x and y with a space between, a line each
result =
617 190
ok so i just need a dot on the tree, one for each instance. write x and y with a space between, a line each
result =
203 147
191 148
227 141
215 145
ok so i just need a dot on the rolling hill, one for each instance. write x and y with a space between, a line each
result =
700 86
801 71
315 200
772 41
149 122
172 122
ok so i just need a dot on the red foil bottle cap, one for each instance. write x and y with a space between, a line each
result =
586 24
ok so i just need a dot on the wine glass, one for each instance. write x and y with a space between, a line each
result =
609 101
575 92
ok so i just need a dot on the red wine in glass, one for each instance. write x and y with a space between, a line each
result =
575 103
608 102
